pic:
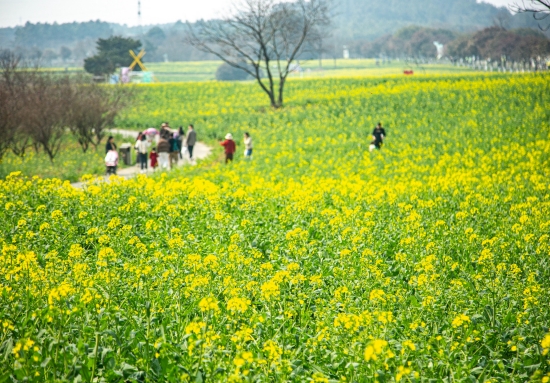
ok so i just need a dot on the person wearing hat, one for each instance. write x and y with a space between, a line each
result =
165 132
229 146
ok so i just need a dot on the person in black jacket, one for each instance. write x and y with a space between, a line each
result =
378 136
110 144
174 150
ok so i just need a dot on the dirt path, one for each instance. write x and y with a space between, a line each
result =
200 151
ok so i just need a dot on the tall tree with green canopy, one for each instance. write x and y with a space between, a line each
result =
111 54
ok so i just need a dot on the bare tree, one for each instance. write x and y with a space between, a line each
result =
8 104
93 109
14 82
262 36
46 122
38 109
540 9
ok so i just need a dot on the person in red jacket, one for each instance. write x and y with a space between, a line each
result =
229 146
154 158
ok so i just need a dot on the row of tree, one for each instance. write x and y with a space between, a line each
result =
489 43
38 110
496 42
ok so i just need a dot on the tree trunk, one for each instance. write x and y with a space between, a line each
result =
50 154
274 104
281 91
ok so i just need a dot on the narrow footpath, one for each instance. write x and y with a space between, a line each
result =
200 152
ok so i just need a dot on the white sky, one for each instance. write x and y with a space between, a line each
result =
18 12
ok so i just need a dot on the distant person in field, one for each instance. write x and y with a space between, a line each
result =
174 150
111 161
142 147
247 146
154 158
378 136
180 138
229 146
110 144
163 149
190 140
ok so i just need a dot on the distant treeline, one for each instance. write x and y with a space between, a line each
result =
69 44
490 43
368 28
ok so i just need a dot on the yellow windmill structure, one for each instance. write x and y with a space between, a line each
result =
137 61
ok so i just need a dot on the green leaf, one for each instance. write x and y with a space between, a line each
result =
45 362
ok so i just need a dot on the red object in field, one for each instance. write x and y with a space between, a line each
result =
408 72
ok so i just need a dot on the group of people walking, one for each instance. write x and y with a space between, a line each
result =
171 145
164 149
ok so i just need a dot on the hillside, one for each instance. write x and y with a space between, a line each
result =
369 19
356 22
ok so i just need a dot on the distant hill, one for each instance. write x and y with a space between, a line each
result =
356 23
370 19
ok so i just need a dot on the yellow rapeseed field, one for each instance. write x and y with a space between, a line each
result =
317 261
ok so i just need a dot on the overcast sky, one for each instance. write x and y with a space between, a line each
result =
18 12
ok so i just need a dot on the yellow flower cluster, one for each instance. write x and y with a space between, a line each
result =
316 261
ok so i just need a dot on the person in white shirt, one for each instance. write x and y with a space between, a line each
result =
247 146
111 161
142 147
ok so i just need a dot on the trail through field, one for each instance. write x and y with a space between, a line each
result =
200 152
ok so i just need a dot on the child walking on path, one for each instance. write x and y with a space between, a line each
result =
154 158
229 146
111 161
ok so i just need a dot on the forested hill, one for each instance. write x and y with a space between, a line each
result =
55 35
356 24
355 19
369 19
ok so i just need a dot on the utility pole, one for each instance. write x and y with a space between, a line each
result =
139 18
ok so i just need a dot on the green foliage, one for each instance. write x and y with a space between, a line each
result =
112 53
99 65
